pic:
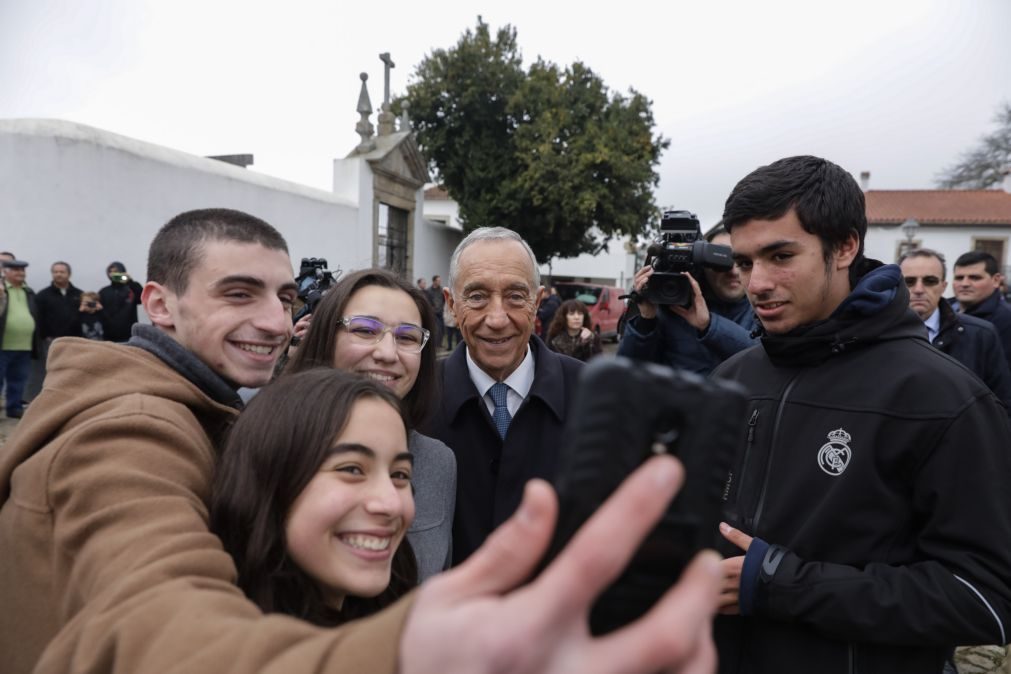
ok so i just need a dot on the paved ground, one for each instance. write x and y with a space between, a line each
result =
6 426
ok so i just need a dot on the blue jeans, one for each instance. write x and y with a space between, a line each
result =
14 368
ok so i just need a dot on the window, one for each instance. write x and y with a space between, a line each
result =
392 239
996 247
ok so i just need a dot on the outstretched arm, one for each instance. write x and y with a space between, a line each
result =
500 625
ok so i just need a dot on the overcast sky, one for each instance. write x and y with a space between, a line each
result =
899 89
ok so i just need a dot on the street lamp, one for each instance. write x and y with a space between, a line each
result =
909 228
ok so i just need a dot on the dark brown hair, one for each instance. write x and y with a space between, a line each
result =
559 324
176 249
827 200
320 342
271 453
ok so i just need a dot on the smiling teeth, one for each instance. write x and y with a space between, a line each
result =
367 542
379 377
253 348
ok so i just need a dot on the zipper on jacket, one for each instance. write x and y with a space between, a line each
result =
752 422
852 663
772 452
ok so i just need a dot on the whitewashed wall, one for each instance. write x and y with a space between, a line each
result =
882 242
89 197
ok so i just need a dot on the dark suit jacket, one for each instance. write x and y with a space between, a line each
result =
996 310
974 342
491 472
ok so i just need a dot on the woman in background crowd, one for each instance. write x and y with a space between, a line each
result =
570 331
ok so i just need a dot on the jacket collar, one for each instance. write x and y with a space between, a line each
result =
548 386
183 361
877 309
987 306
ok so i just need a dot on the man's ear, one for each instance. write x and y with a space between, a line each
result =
160 304
450 302
846 251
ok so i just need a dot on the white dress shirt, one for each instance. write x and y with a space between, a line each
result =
519 383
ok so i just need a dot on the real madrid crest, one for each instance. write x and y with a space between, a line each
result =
834 455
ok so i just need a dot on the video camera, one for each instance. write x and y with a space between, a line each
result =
314 280
680 250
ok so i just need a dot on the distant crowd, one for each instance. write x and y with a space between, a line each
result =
30 321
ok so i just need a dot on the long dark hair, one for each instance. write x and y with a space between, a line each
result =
320 342
559 324
271 453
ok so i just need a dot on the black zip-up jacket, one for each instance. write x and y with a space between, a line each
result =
875 478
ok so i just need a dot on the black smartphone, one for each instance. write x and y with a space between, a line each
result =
624 412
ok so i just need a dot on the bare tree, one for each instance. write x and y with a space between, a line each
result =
983 166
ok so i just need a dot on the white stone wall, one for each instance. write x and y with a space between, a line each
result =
613 267
434 244
89 197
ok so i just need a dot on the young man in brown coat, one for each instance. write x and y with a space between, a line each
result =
107 564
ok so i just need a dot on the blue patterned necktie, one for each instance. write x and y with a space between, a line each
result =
501 416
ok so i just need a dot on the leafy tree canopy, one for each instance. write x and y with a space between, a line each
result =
549 152
982 166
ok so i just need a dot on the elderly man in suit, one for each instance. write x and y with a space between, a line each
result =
505 396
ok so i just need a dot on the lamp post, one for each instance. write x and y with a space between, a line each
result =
909 228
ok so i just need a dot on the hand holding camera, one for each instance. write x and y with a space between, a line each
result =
680 254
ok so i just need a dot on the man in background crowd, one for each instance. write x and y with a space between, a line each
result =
716 325
438 302
58 306
969 340
18 336
977 282
120 300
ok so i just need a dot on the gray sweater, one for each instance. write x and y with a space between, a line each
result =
434 480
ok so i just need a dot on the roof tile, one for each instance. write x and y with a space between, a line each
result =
939 207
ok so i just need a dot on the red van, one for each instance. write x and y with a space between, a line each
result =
602 301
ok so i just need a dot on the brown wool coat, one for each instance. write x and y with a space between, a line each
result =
106 562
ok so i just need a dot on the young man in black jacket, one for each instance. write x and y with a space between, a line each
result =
868 513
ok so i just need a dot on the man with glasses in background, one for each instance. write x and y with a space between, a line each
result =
969 340
506 396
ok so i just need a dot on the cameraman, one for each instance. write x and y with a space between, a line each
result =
717 325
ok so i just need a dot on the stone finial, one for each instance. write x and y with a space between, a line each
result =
364 127
405 121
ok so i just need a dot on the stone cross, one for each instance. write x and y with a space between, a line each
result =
387 64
